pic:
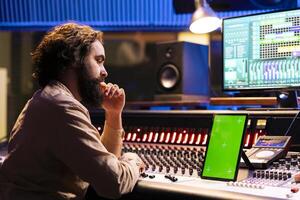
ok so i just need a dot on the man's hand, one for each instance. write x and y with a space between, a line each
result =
113 104
138 161
113 98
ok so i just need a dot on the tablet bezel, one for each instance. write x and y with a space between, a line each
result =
239 155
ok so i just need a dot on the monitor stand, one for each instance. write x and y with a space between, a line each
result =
246 160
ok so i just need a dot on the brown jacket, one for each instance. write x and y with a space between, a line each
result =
55 152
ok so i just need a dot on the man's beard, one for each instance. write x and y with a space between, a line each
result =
89 88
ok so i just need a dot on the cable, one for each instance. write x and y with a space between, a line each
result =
292 123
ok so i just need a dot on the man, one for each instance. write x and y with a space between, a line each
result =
54 150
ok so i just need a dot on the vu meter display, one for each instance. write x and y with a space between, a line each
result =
223 151
262 51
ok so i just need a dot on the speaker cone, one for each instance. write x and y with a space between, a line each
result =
168 76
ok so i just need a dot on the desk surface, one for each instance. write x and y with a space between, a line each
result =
264 101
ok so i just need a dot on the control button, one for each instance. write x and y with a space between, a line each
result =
254 174
276 165
261 187
289 195
151 176
230 183
144 175
282 161
294 189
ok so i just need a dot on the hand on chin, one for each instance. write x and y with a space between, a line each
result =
113 97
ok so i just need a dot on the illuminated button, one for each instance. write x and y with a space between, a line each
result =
247 140
150 136
128 137
173 137
155 137
192 139
179 138
167 139
133 137
198 139
144 137
185 138
162 136
205 139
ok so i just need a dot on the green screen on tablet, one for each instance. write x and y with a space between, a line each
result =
223 150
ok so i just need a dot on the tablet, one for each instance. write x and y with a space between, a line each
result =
223 151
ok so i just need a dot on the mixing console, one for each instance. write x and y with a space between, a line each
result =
279 174
166 159
172 146
275 182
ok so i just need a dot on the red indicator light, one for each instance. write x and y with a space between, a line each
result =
162 136
128 137
205 139
150 136
192 138
173 137
167 137
198 139
247 140
179 138
144 137
185 138
155 137
133 137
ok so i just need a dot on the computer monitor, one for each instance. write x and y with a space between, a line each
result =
262 52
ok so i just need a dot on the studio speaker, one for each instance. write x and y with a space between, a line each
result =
181 71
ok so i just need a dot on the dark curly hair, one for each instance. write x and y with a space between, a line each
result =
65 45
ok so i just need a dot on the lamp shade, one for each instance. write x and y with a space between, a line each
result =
204 20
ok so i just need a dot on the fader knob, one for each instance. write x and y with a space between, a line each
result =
175 170
191 171
160 168
153 167
267 174
168 169
262 174
183 170
258 174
